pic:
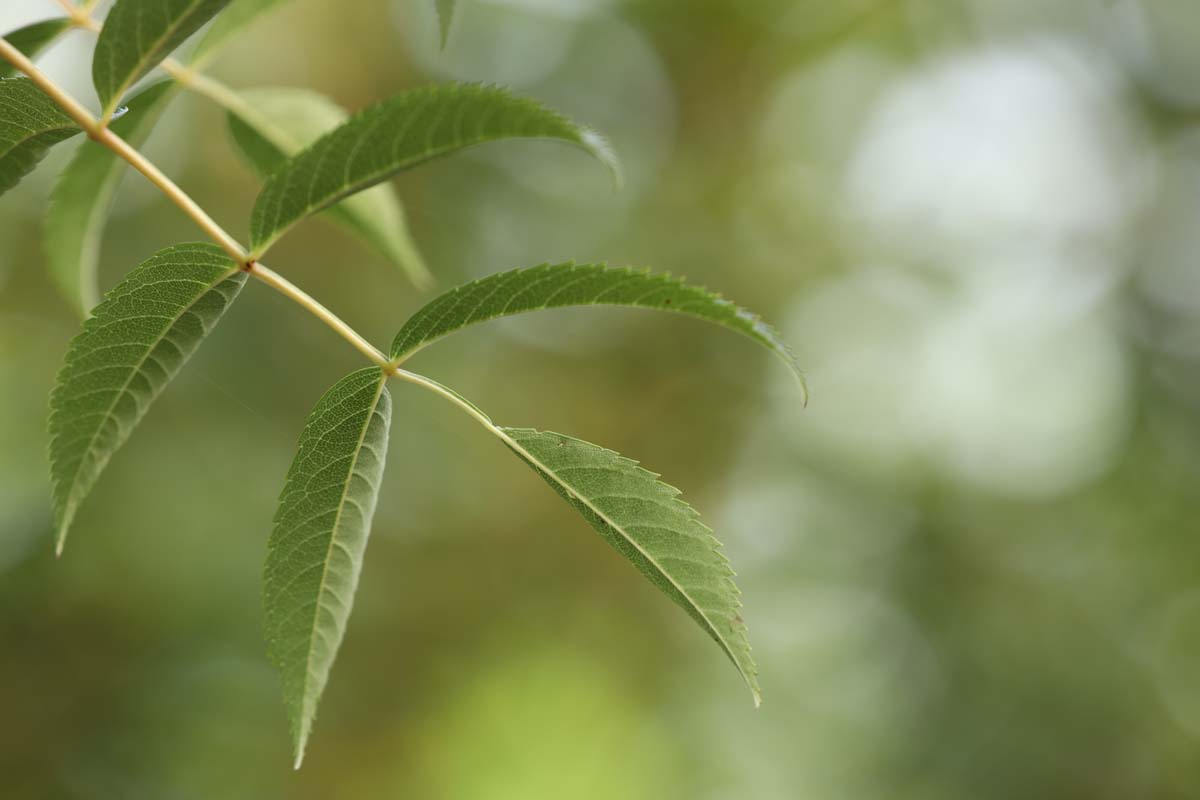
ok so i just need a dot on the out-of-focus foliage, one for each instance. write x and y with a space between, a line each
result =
970 565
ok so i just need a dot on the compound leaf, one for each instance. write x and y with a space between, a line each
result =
557 285
647 523
271 125
395 135
137 36
135 342
83 196
315 552
237 16
33 39
30 124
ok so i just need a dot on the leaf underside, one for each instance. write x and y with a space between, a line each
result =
136 341
138 35
558 285
315 552
647 523
275 124
397 134
30 124
83 197
239 15
33 39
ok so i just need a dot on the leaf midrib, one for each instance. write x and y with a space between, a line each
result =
362 436
36 134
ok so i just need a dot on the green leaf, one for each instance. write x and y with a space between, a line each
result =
398 134
83 197
30 124
558 285
315 552
33 39
135 342
271 125
445 15
239 14
647 523
137 36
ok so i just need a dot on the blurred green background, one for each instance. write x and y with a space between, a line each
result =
970 567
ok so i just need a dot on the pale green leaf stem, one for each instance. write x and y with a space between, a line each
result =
559 285
33 39
398 134
137 36
84 193
135 342
30 124
315 552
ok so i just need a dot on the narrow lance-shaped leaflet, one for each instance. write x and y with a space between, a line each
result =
271 125
137 36
398 134
559 285
33 39
315 552
83 196
135 342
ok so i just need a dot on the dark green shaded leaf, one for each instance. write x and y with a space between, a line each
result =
33 39
315 552
135 342
83 197
30 124
399 134
138 35
558 285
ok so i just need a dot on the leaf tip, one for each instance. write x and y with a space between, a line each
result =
599 147
60 535
299 745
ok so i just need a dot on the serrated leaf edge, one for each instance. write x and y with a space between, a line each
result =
71 506
748 675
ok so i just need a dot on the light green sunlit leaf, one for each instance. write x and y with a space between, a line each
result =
135 342
395 135
138 35
236 17
30 124
33 39
315 552
83 196
271 125
558 285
